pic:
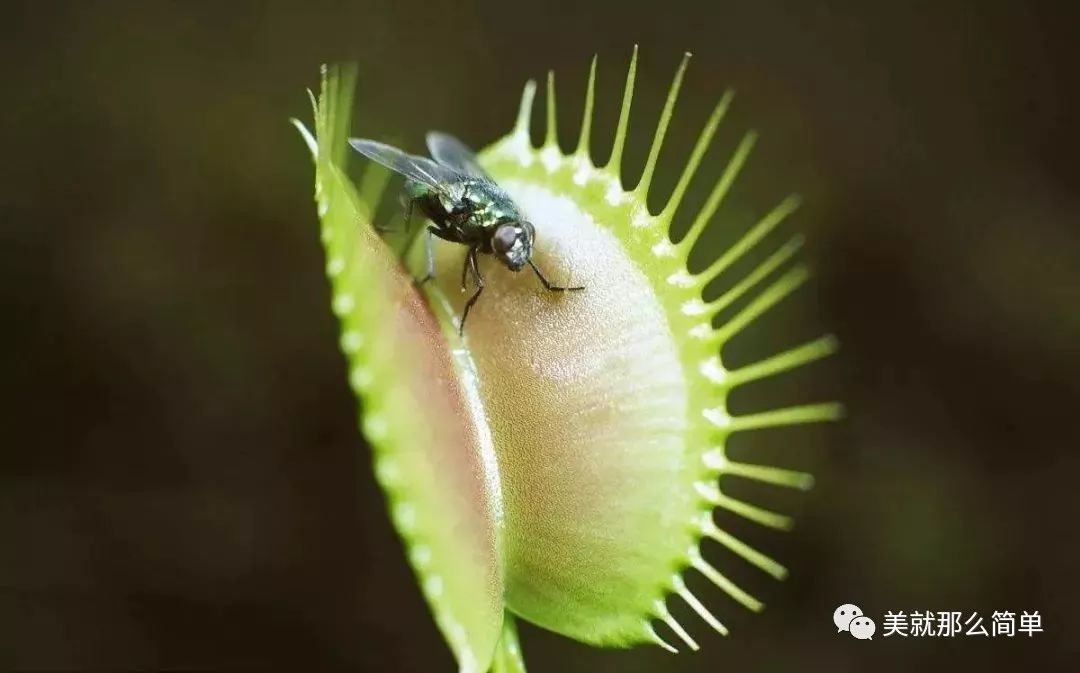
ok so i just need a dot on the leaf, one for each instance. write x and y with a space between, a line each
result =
433 452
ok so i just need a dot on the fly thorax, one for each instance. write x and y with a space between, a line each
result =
451 198
487 216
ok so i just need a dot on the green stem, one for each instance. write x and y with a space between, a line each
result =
508 652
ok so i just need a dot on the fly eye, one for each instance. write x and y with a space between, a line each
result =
504 238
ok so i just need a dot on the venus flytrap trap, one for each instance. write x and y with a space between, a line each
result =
561 461
421 414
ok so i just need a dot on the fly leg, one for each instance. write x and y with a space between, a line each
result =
465 268
465 265
547 283
470 263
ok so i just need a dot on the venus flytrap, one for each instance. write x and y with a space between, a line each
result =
561 461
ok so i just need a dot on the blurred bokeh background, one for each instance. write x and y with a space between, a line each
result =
182 481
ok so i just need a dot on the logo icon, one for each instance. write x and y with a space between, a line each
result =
849 617
862 628
843 615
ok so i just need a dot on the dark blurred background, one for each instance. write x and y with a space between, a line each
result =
182 481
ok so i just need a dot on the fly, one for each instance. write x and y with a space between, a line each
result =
464 206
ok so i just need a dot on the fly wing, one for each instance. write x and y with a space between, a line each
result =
449 151
419 169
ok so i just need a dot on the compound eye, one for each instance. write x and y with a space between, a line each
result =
504 237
